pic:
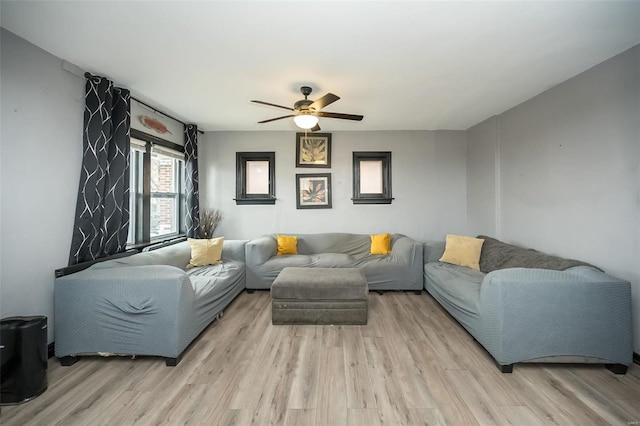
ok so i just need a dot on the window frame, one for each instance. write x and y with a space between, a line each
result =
383 197
175 196
142 207
244 198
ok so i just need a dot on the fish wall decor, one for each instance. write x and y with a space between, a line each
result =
153 124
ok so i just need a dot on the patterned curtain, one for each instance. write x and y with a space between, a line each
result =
192 195
102 209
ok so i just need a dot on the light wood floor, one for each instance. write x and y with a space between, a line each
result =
412 364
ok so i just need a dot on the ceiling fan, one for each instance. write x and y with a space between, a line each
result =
306 112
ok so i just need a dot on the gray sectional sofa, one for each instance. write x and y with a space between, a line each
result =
144 304
521 309
400 270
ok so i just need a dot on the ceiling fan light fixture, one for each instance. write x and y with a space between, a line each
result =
305 121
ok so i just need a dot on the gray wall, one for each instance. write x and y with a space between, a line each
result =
429 180
42 108
569 171
483 194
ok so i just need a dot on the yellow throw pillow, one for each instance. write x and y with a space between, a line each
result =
205 252
381 244
287 244
463 251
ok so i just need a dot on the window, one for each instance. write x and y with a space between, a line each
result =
156 189
166 177
372 177
255 178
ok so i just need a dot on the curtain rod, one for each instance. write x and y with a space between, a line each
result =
89 75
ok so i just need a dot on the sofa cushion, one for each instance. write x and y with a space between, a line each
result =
352 244
380 244
205 251
462 251
287 244
498 255
330 260
457 288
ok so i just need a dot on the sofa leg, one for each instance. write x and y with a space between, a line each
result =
380 292
418 292
68 361
505 369
617 368
250 291
172 362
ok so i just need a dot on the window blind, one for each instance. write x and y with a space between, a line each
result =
167 152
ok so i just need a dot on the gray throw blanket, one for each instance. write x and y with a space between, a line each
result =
498 255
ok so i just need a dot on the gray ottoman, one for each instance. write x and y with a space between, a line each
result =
319 296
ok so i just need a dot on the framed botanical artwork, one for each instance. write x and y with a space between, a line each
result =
313 150
313 191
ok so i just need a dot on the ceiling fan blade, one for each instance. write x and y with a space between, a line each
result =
277 118
354 117
327 99
315 128
273 105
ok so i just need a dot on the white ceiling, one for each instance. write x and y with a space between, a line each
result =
403 65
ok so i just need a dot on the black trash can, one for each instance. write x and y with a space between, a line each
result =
23 358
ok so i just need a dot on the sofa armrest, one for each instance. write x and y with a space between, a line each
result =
534 313
234 250
406 250
261 249
128 310
433 251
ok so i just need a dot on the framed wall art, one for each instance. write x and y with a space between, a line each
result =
313 150
313 191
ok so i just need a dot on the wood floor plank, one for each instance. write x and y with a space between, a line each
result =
498 387
363 417
589 395
374 317
332 404
414 387
182 406
550 401
331 335
306 375
518 415
447 399
632 406
426 417
275 393
126 408
358 381
611 385
235 418
100 397
482 407
412 364
257 373
386 388
303 417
